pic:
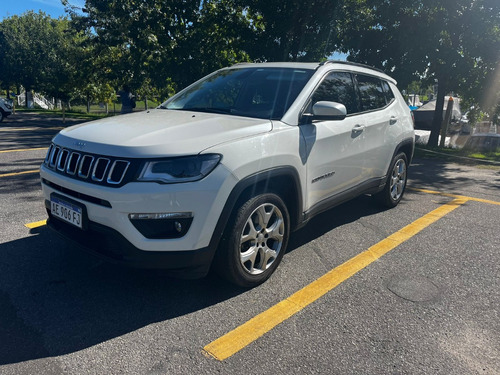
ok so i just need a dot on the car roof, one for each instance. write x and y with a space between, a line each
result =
327 65
296 65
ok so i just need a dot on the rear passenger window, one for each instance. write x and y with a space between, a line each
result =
371 91
337 87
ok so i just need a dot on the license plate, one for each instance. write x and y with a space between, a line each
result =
66 211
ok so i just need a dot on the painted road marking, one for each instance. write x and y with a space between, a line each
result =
19 173
30 129
231 343
36 224
24 149
454 196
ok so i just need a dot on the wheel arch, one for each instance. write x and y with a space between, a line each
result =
407 146
282 181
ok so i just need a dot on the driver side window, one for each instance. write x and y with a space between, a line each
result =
337 87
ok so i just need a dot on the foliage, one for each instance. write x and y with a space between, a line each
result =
292 30
159 46
137 39
457 155
37 53
456 42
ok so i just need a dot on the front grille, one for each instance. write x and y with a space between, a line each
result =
97 169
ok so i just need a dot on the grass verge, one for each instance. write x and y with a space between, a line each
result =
458 155
68 114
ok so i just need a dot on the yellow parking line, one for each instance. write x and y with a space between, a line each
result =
36 224
19 173
30 129
24 149
229 344
427 191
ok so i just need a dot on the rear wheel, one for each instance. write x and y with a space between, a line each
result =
395 185
255 241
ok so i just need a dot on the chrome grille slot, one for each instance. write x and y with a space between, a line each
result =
85 165
91 168
117 172
72 165
63 158
100 168
47 157
53 156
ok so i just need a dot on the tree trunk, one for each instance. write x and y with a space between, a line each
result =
437 120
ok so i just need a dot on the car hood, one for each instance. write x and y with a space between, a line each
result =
158 132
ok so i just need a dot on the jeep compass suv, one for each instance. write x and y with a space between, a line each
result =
223 171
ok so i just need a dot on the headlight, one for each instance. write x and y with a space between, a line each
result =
181 169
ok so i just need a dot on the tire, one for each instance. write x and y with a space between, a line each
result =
255 241
395 185
2 116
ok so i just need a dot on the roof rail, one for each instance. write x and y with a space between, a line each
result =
351 63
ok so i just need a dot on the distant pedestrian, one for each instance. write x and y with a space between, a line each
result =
127 99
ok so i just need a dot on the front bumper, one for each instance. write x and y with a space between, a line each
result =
110 233
106 243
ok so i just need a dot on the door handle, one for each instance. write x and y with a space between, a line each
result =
393 120
358 128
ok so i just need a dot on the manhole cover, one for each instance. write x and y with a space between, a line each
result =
413 288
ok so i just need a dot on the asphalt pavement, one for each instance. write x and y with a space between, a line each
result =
426 300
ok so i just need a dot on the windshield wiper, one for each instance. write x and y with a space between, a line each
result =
224 111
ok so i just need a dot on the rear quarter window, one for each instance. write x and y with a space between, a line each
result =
371 92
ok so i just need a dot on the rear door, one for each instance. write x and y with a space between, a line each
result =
380 115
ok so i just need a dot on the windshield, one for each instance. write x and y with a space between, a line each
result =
252 92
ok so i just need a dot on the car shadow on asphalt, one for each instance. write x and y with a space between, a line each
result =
56 300
24 184
325 222
440 174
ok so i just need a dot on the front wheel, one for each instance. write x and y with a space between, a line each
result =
255 241
396 182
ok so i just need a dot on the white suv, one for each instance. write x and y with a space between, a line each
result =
222 172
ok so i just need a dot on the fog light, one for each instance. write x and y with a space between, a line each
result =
178 226
162 225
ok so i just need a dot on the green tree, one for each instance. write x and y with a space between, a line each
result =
456 42
138 38
35 51
159 40
216 40
294 30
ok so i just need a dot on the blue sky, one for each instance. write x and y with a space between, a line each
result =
53 8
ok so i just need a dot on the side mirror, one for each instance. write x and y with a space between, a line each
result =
329 111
